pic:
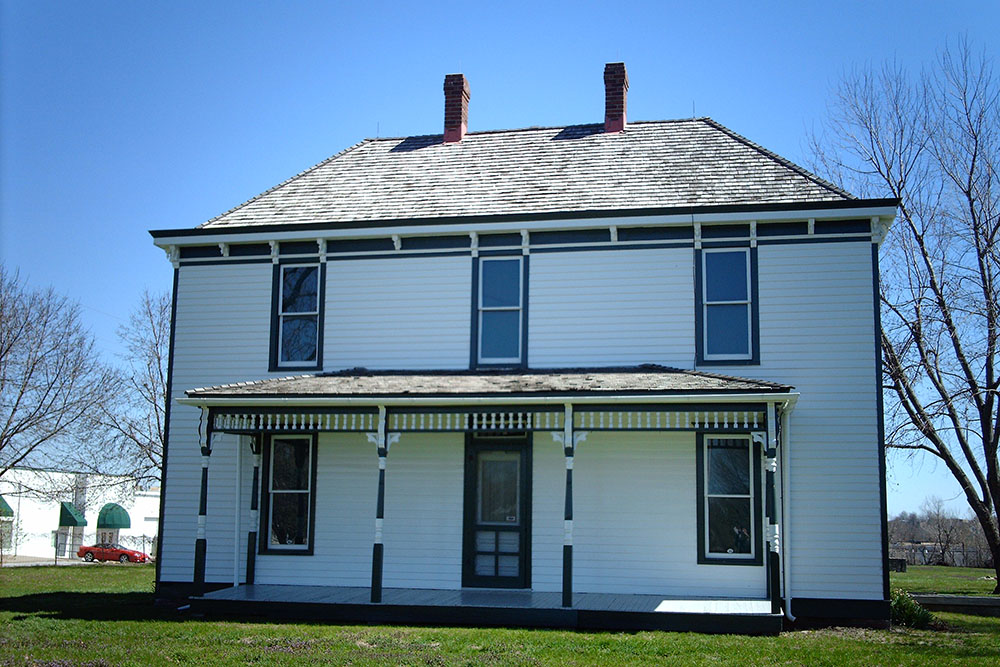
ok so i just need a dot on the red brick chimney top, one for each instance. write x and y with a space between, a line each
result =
456 107
615 94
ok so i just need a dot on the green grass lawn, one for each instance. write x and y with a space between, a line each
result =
939 579
103 615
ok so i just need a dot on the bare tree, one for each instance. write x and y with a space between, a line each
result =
51 379
132 425
933 142
944 529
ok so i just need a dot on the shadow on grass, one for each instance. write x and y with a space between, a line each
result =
90 606
128 607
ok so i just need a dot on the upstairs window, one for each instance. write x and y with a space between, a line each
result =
297 323
500 316
726 309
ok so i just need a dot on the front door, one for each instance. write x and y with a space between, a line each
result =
497 511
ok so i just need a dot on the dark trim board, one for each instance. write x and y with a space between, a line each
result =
880 421
829 608
439 607
180 592
166 426
841 204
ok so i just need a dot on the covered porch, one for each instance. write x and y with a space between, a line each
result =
503 417
492 607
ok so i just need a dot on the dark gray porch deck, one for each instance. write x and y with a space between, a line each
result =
495 607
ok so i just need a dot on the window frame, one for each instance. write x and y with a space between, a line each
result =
756 555
266 492
703 358
277 316
477 360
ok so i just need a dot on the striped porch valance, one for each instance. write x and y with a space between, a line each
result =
531 418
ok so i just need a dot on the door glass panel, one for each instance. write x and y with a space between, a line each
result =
499 487
509 542
508 566
485 540
486 566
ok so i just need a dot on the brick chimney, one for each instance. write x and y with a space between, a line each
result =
615 92
456 107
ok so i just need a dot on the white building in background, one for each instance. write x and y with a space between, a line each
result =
52 513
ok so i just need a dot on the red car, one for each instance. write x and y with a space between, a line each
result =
116 552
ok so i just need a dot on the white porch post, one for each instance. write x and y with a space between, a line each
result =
569 439
382 441
200 544
773 531
255 449
237 510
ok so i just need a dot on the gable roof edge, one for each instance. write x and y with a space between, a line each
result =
284 183
784 162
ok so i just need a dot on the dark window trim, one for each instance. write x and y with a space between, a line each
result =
758 523
880 420
474 361
265 497
473 443
274 363
166 426
699 323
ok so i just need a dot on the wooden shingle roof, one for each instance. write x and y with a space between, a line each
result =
646 379
580 168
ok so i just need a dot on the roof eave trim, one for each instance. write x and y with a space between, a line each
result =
788 398
881 207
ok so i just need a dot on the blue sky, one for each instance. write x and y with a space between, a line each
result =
117 118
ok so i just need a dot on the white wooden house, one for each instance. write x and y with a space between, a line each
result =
612 375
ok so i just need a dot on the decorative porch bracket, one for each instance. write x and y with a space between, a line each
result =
255 448
569 439
382 442
200 545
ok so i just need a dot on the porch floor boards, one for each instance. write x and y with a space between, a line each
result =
495 607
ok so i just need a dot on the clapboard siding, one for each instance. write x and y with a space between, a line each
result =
423 511
222 331
817 333
548 494
411 312
634 493
635 520
611 308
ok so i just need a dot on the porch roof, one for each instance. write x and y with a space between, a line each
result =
648 380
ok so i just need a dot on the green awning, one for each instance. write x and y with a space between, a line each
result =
5 509
70 516
113 516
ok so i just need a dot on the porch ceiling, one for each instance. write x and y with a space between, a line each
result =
362 383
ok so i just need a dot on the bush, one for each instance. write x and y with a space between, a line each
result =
904 610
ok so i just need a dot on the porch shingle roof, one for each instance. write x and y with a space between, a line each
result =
646 379
682 164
